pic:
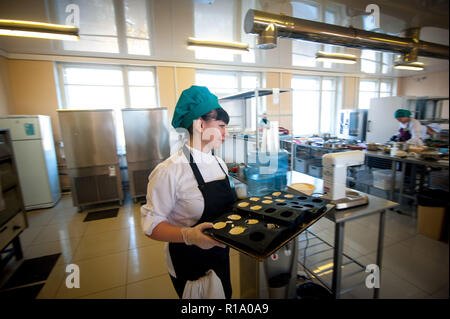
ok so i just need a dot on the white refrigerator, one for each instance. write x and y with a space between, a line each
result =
35 157
381 123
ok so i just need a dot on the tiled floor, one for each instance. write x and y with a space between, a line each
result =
117 261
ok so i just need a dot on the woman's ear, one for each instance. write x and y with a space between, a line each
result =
197 126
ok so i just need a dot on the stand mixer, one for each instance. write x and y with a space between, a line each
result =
335 176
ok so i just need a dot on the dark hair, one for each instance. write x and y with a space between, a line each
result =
218 114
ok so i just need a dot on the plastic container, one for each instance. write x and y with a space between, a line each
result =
315 170
382 179
432 214
302 164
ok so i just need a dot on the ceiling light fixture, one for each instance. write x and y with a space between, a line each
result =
31 29
412 66
234 47
336 57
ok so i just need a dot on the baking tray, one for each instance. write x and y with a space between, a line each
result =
261 239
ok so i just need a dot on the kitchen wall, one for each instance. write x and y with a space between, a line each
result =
431 84
5 100
33 90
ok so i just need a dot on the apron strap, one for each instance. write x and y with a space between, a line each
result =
220 166
195 170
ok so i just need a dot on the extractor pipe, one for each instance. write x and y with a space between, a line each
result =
269 26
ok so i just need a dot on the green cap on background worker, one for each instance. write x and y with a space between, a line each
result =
410 130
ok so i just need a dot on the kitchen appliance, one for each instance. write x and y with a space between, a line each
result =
13 219
335 176
352 124
147 145
91 156
34 150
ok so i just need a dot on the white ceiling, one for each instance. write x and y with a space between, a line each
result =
431 15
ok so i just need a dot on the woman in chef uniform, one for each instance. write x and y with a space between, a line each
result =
189 190
410 130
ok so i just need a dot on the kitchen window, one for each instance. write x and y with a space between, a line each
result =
223 83
108 26
304 52
376 62
107 87
313 104
373 88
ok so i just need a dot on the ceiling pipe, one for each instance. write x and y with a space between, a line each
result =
269 26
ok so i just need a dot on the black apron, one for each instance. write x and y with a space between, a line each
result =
192 262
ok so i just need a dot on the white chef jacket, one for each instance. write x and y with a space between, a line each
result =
173 195
415 128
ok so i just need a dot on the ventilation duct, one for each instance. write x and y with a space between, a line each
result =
269 26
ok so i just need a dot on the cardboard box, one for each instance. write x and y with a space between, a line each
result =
430 221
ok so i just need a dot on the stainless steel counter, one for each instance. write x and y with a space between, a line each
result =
376 205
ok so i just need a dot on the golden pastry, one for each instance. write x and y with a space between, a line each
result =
256 207
237 230
272 226
288 196
267 197
252 221
267 201
234 217
276 194
219 225
280 200
254 199
243 204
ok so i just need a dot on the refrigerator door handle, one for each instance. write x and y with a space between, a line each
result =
368 125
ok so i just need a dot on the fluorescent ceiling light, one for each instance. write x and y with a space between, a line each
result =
31 29
336 57
234 47
411 66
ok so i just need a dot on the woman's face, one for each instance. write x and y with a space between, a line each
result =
403 120
214 132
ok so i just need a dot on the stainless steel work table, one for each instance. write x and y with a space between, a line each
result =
376 205
414 161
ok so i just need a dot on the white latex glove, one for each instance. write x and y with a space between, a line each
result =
195 236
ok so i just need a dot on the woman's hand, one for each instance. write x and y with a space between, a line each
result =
195 236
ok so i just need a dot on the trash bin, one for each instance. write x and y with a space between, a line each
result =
432 207
278 286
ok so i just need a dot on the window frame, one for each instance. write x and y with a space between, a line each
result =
378 91
248 112
320 91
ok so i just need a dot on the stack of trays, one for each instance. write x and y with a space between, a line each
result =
258 226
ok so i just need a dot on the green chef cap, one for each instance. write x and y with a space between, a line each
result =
402 113
193 103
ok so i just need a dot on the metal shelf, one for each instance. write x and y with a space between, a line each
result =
316 276
250 94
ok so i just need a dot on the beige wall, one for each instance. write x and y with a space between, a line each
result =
5 99
282 81
33 90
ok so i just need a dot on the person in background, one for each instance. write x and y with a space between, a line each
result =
189 190
429 130
410 130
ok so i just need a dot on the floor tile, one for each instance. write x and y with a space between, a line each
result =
96 275
53 282
432 249
28 236
66 247
105 225
146 262
114 293
139 239
414 267
155 288
102 244
39 217
60 232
